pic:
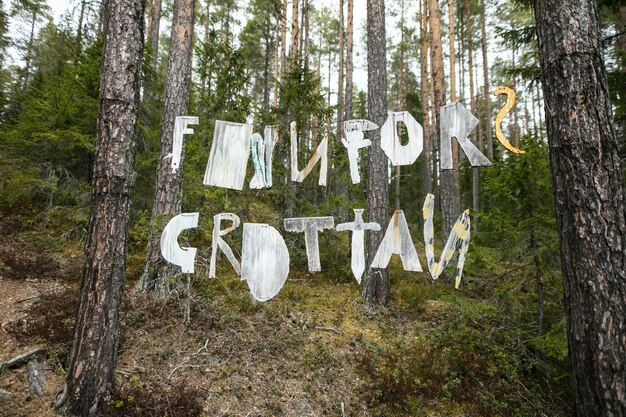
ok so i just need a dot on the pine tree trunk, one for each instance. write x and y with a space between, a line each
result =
427 176
154 24
91 372
589 200
487 91
515 126
29 53
167 199
340 80
449 193
79 31
294 32
349 61
376 281
283 37
276 60
470 67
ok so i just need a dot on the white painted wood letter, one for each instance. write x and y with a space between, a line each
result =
458 122
181 127
170 250
220 244
460 231
320 153
397 153
264 260
358 228
262 155
398 241
311 226
230 150
353 130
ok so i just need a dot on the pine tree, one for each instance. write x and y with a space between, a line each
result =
376 281
157 273
589 200
91 372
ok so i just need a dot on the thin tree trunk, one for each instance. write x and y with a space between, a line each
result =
294 32
276 60
449 193
426 180
589 199
283 53
79 31
349 61
154 23
376 281
167 199
540 118
340 81
91 372
472 92
29 53
206 81
487 90
452 55
266 70
514 86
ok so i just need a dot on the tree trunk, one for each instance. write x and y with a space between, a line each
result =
426 180
376 281
487 90
283 37
276 59
167 199
79 31
340 80
294 32
472 92
515 127
449 193
29 53
349 61
154 23
589 200
91 372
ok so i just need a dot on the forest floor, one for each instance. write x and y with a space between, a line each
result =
314 350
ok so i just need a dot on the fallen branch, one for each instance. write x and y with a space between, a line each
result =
20 359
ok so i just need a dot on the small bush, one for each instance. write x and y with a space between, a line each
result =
152 399
453 364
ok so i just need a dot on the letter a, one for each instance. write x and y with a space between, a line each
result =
398 241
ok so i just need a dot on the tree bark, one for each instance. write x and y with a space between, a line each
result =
295 27
91 370
589 200
340 81
167 199
154 23
29 53
376 281
349 60
283 53
470 67
487 89
449 192
427 173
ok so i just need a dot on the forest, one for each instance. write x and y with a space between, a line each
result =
201 202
